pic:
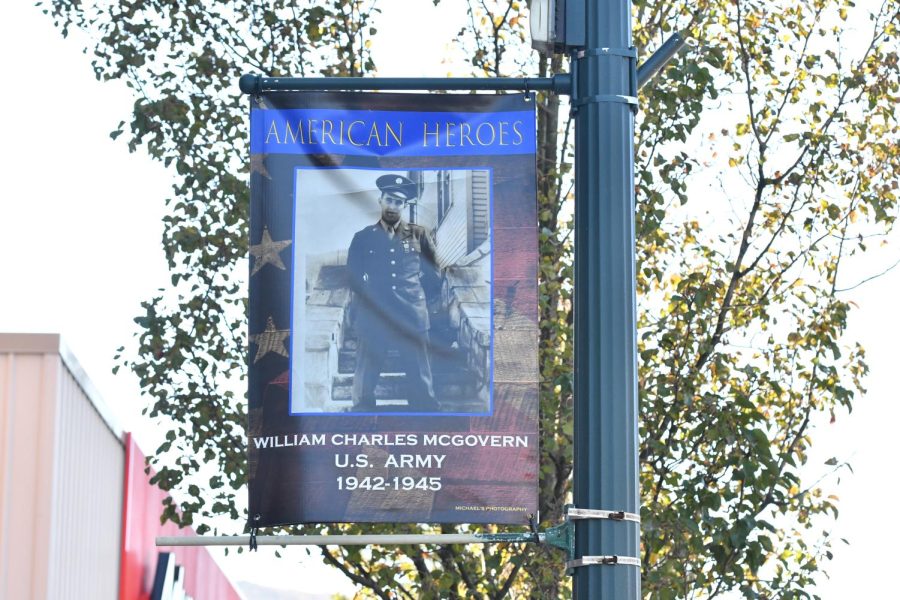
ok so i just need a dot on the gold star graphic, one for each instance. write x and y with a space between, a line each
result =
266 252
258 165
270 340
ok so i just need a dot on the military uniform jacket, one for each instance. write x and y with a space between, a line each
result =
394 280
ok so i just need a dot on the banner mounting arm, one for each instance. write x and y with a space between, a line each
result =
257 84
561 536
560 83
555 536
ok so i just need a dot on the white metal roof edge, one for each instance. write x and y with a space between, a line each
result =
87 386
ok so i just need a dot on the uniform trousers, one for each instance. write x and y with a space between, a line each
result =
413 349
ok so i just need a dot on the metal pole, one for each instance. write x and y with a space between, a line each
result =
606 432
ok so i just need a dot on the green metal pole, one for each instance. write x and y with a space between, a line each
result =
606 431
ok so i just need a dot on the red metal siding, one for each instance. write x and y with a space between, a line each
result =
143 504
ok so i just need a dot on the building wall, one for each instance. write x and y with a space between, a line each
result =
27 384
426 207
87 500
480 211
451 236
466 224
74 497
61 466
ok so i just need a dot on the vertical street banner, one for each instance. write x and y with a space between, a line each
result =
393 312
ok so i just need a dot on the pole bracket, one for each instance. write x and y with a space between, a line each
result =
576 514
630 98
561 536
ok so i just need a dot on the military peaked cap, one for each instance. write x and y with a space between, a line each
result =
398 186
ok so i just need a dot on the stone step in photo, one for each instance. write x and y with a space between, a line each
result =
394 405
387 405
439 363
393 385
347 361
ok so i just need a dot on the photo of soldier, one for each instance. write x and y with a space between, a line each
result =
392 292
396 283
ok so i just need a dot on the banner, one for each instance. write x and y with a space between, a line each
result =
393 315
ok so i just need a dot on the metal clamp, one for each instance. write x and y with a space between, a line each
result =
586 513
575 514
632 100
626 52
587 561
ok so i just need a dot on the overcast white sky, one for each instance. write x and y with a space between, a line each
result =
79 241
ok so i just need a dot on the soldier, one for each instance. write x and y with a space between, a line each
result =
396 284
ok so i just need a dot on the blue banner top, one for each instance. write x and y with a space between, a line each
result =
390 133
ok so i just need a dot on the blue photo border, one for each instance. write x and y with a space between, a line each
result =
294 267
